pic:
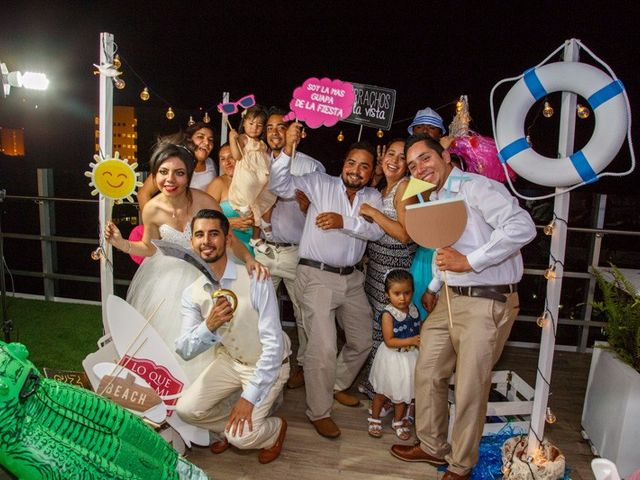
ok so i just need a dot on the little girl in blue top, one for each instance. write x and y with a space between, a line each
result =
392 371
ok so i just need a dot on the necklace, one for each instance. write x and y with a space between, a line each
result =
175 211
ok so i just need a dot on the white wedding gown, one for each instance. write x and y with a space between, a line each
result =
158 284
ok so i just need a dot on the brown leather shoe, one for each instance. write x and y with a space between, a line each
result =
413 453
267 455
326 427
296 380
346 399
219 446
454 476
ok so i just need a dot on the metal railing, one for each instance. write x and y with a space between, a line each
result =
49 242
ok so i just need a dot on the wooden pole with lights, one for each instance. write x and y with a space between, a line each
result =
106 146
549 326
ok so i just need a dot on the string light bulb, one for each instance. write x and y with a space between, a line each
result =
144 94
583 112
547 111
380 133
550 417
341 136
119 83
303 133
550 273
170 114
96 254
206 118
116 62
548 229
191 121
542 320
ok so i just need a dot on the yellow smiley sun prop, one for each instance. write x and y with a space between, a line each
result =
113 177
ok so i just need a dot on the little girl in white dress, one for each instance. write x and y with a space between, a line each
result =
248 192
392 371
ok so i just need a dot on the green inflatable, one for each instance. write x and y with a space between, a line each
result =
52 430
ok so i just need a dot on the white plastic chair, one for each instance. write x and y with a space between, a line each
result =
604 469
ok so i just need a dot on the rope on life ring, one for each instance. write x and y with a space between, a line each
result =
611 118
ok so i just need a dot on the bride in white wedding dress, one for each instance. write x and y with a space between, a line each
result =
160 280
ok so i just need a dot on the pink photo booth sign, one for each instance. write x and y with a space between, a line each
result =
322 102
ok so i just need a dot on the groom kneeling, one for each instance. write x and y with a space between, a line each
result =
252 351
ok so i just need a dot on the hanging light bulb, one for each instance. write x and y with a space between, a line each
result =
583 112
170 113
144 94
119 83
550 273
547 111
96 254
549 416
191 121
548 229
341 136
542 320
116 62
303 133
206 118
380 133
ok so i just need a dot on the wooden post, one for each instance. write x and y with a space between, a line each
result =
223 126
47 229
556 258
106 146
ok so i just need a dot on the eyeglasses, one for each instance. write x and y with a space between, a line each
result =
232 107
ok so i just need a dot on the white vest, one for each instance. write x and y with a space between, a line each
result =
240 336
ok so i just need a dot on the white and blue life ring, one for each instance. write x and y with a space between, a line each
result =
611 117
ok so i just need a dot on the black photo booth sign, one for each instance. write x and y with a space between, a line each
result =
373 106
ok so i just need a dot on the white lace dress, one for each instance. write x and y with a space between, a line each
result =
160 281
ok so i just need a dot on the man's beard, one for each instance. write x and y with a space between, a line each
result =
349 184
212 259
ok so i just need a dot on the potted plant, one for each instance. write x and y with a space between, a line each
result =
611 413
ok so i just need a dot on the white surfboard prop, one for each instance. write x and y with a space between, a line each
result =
149 358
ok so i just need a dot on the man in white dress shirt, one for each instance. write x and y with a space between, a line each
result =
287 223
483 269
252 351
328 285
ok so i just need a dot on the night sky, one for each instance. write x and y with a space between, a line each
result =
189 53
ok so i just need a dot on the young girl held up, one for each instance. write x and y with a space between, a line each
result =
392 371
248 192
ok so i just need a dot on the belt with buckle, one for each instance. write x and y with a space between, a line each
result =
326 268
284 362
280 244
493 292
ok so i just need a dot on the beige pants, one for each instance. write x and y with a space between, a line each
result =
282 268
472 347
324 298
199 404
